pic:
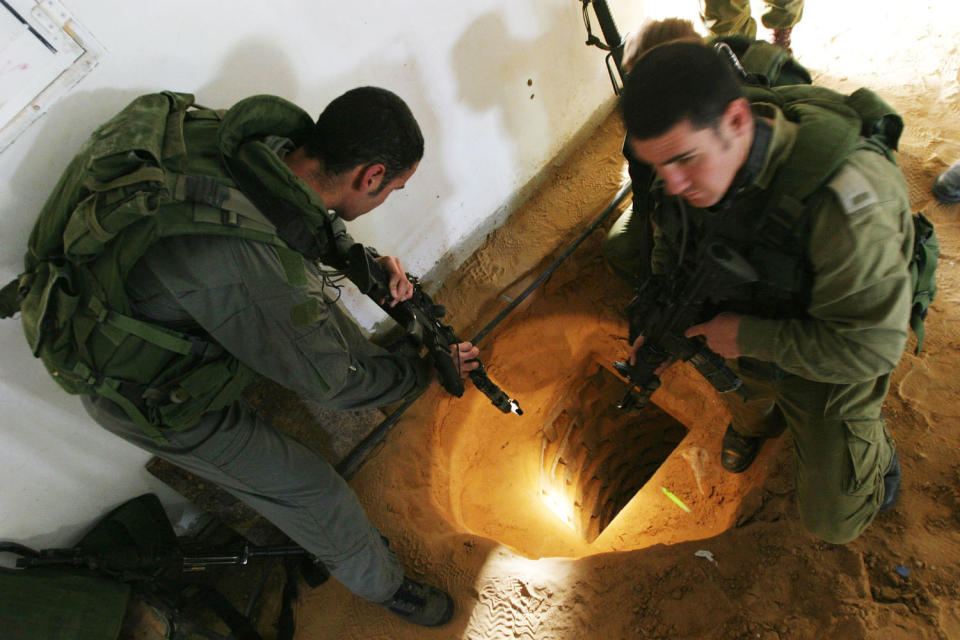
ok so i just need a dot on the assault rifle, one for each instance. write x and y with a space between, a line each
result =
419 317
126 559
665 308
612 42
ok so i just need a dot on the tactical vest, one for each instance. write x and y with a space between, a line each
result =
159 168
765 65
771 228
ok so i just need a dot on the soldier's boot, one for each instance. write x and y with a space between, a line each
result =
946 188
781 38
739 451
891 484
420 604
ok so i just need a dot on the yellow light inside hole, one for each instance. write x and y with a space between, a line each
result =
561 507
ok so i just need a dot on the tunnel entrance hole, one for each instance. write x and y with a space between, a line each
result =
595 457
574 476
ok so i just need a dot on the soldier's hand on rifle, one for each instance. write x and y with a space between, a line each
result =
400 287
464 356
635 347
720 333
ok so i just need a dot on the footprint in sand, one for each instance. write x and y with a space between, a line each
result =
932 388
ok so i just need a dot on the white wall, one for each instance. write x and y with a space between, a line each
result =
499 88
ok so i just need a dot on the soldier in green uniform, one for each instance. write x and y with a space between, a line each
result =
629 239
177 261
732 17
822 214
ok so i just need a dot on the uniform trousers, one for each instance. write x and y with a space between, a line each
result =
280 478
841 441
732 17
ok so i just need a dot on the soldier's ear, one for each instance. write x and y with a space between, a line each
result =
738 116
371 176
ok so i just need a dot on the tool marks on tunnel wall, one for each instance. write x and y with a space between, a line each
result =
594 457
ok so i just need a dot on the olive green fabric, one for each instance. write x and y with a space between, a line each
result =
732 17
841 442
629 240
176 290
826 222
622 246
766 63
236 291
154 171
824 367
55 604
854 326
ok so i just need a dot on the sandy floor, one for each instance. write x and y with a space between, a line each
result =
457 487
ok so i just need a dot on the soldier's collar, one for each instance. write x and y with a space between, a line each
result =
752 166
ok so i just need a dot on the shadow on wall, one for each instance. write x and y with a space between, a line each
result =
392 67
527 85
251 67
515 77
71 120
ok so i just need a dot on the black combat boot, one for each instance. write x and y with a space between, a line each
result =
739 451
420 604
891 484
946 188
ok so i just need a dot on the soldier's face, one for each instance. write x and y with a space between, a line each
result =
698 165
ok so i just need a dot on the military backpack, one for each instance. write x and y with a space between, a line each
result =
132 183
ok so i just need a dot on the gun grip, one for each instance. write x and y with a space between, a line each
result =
447 372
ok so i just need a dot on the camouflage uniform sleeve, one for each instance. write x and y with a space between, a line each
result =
269 308
860 247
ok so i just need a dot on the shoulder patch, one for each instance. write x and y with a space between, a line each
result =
853 190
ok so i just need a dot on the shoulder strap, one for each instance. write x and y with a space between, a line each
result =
287 218
926 252
774 63
10 298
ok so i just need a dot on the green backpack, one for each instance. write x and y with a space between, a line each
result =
859 120
130 557
130 184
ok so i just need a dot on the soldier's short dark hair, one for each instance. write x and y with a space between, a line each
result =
674 82
366 125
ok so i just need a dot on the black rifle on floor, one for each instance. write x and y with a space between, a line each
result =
146 567
127 559
664 308
420 319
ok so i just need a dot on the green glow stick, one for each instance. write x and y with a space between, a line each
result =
677 501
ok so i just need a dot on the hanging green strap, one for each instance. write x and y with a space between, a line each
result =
208 190
154 334
143 174
926 251
109 388
10 297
